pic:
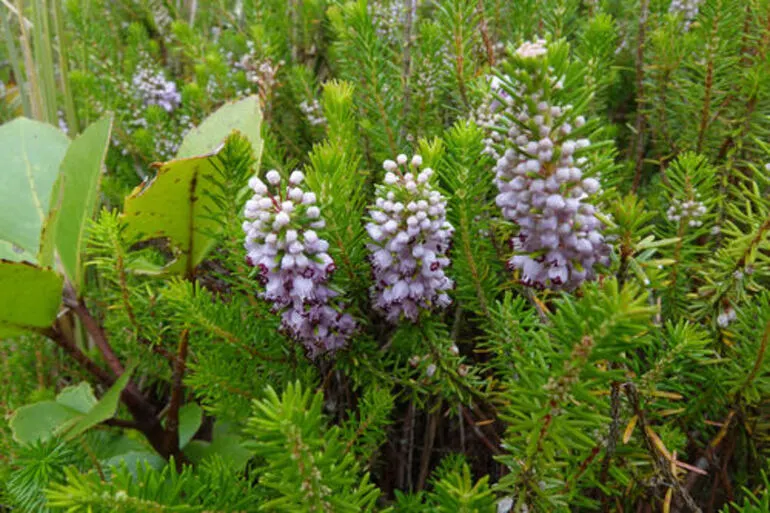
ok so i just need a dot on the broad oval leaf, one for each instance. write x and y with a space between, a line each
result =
226 443
74 411
242 115
78 397
134 458
77 195
101 411
39 421
190 419
32 152
177 205
29 297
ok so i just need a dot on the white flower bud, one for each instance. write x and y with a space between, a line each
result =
281 220
257 185
296 177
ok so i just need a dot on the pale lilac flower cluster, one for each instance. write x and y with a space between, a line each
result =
543 190
293 262
688 211
153 89
726 317
313 112
410 237
260 73
688 9
63 123
433 72
532 50
490 114
388 19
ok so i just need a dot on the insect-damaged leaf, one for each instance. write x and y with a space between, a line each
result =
177 205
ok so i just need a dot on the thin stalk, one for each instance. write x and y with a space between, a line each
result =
759 360
661 465
459 48
708 87
611 441
640 119
44 60
79 356
29 66
407 71
15 58
484 29
13 11
64 80
192 10
430 438
177 393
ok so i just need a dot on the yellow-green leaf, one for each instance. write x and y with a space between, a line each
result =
177 205
242 115
101 411
29 297
78 195
32 152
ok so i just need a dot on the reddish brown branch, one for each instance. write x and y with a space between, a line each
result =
172 419
97 334
583 466
430 438
125 424
79 356
758 362
142 410
709 82
479 434
612 440
484 29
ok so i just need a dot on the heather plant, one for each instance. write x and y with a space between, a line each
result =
384 255
410 238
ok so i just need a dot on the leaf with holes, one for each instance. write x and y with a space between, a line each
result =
29 297
177 205
32 152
